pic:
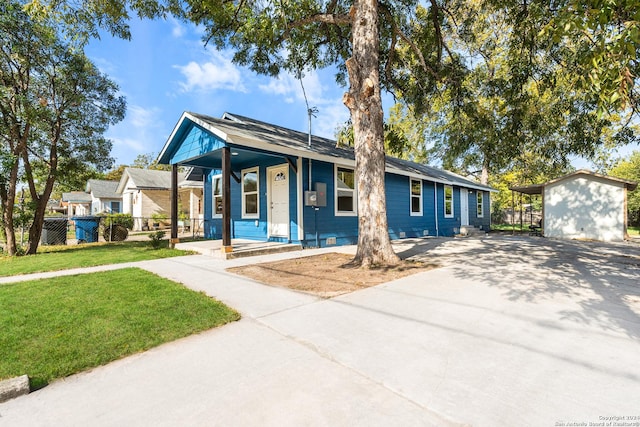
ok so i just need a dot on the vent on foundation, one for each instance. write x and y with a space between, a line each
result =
331 240
402 234
425 232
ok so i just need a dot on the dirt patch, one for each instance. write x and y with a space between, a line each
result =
326 275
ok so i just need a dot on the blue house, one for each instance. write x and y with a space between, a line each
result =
284 186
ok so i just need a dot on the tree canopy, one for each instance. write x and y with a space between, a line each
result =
630 169
56 106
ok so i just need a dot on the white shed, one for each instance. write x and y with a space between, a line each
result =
584 205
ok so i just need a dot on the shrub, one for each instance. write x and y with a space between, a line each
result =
156 238
125 220
115 227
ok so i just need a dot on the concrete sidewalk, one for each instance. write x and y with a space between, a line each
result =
510 332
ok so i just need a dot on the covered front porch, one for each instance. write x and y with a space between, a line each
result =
249 191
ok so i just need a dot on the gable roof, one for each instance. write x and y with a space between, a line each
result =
76 197
537 188
102 189
240 131
147 179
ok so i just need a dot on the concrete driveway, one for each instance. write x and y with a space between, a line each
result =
510 331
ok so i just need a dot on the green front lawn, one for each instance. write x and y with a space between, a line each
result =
633 230
56 327
53 258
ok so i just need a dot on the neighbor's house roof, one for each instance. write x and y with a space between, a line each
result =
537 188
102 189
147 179
237 131
76 197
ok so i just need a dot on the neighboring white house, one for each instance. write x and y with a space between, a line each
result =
146 193
104 197
78 203
584 205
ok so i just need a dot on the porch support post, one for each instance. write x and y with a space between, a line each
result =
226 200
513 213
174 206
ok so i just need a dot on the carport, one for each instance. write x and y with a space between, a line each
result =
531 191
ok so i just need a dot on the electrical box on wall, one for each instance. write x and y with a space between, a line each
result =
317 198
321 194
310 198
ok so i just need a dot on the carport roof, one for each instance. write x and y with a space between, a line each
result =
537 188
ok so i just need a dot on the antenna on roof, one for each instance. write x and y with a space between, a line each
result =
310 111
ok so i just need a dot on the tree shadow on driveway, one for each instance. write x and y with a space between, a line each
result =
598 284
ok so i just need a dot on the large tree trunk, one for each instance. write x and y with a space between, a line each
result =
365 104
484 177
8 197
35 231
7 220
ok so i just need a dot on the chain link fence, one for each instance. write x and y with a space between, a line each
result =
57 230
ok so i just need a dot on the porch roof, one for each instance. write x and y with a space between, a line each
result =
248 139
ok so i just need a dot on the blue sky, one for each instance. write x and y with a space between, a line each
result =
165 70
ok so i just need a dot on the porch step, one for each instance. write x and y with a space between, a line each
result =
255 251
469 230
241 248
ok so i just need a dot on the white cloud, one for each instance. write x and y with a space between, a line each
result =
141 132
142 118
327 100
217 73
128 144
289 87
177 30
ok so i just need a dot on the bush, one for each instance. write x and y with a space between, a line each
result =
156 238
115 227
125 220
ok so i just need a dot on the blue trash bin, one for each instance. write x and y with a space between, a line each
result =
87 228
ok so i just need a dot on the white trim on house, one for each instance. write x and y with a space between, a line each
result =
480 204
336 187
300 196
412 196
444 205
464 206
246 215
215 178
270 170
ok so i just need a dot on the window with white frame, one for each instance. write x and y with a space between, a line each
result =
479 204
416 197
250 196
216 192
345 191
448 201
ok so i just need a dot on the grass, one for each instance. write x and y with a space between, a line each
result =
56 327
525 228
510 227
54 258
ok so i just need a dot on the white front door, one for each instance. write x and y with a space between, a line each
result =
464 206
278 201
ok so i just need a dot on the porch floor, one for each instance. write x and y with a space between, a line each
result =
241 248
